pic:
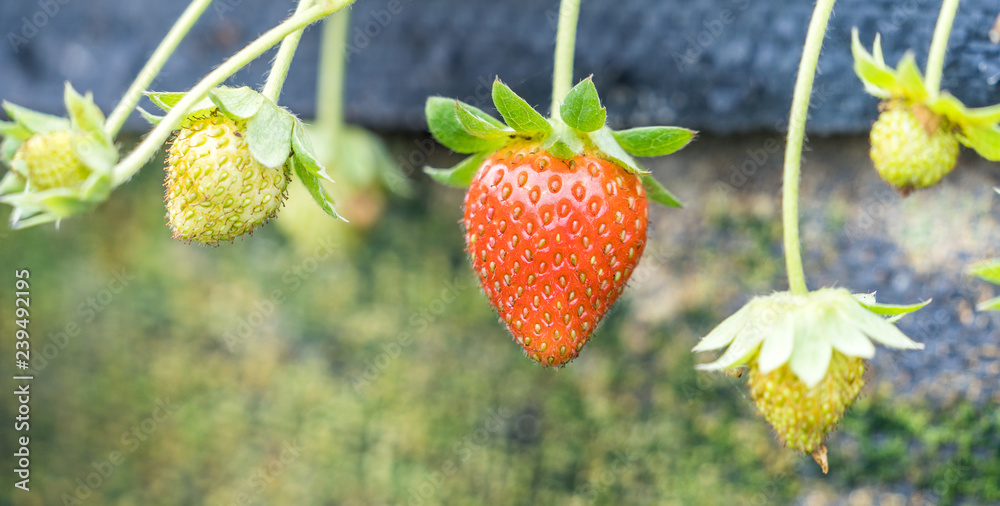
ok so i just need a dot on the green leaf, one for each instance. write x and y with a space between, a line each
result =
985 140
35 121
518 114
303 151
84 114
657 193
878 79
582 109
269 135
315 187
988 270
479 124
443 122
165 100
653 141
990 305
237 103
460 175
605 141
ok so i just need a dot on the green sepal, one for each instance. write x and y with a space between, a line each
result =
606 142
445 126
516 112
985 140
987 270
12 182
462 174
167 101
34 121
303 152
876 77
653 141
97 155
582 109
658 193
237 103
909 78
312 183
894 311
84 114
269 134
153 119
989 305
479 124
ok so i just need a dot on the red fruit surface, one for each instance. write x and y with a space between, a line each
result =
553 242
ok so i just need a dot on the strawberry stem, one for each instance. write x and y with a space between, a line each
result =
332 63
283 60
793 148
131 164
153 66
939 45
562 75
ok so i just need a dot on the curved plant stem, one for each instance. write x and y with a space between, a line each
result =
332 63
939 45
159 57
562 75
148 147
793 148
283 60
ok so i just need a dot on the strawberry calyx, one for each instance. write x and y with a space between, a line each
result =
977 128
806 356
59 166
274 136
577 127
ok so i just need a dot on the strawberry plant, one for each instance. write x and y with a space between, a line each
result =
805 349
556 210
228 166
915 141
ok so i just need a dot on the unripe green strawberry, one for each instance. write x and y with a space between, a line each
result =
216 189
912 147
50 161
802 416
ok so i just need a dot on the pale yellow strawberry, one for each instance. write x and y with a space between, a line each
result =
802 416
216 190
49 161
912 147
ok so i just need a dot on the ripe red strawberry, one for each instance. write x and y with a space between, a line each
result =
556 213
553 241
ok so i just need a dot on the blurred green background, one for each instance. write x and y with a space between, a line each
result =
322 363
